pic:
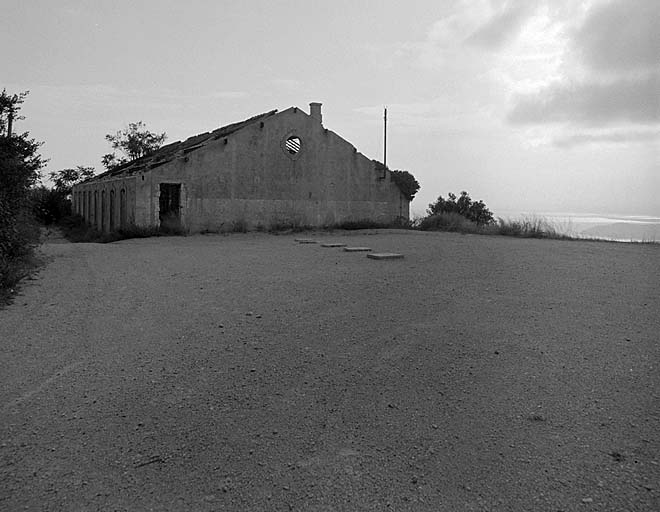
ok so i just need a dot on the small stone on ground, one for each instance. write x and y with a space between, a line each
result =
385 256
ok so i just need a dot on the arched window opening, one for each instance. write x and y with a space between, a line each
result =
111 217
122 208
103 210
95 214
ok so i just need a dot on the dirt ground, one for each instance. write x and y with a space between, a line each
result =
250 372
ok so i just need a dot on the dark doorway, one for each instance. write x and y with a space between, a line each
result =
170 208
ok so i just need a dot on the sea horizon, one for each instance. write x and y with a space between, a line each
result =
589 225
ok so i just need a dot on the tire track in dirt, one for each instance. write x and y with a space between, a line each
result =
60 373
55 304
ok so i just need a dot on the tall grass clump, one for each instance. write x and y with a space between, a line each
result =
530 227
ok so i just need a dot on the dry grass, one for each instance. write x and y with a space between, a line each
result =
524 227
532 227
17 259
75 229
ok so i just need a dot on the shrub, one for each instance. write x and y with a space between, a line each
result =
475 211
20 162
19 234
49 206
406 182
449 221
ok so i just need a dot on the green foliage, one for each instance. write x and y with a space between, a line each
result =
19 170
20 162
65 179
476 212
134 142
406 182
49 205
449 221
9 108
527 227
19 158
17 242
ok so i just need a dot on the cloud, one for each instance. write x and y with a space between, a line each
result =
503 26
617 137
622 35
287 83
609 75
87 96
226 95
439 114
634 100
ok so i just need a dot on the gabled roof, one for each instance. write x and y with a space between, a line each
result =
171 151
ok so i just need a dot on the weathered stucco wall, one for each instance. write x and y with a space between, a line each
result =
250 179
106 204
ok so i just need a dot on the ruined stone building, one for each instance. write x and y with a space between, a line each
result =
274 169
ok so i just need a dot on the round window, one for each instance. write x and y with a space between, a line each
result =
293 145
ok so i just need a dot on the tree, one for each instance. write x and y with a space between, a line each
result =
9 107
19 158
134 142
20 163
464 206
65 179
53 205
406 183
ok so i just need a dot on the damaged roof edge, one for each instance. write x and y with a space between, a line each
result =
168 152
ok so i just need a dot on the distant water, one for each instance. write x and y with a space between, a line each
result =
624 228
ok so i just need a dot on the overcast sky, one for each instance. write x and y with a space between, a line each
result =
537 106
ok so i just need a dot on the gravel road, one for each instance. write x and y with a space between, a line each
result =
250 372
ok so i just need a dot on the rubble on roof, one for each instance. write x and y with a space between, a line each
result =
169 152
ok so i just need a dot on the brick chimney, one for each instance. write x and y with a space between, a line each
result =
315 111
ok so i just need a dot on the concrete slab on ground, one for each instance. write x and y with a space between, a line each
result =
333 244
385 256
305 241
357 249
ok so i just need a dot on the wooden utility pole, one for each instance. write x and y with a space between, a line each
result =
385 143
